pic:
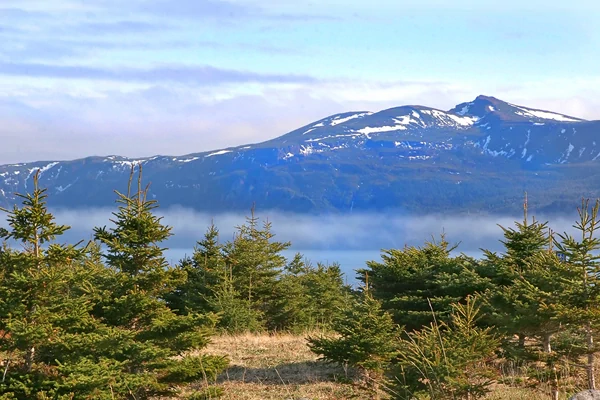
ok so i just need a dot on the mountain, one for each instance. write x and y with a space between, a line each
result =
480 156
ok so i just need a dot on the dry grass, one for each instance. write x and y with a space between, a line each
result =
282 367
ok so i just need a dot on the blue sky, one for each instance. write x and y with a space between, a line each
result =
145 77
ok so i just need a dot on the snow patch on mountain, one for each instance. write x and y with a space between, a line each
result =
47 167
446 119
487 142
465 109
187 160
368 129
527 112
61 189
218 153
306 150
351 135
338 120
569 151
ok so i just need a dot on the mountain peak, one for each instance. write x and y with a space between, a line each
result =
480 107
489 99
484 106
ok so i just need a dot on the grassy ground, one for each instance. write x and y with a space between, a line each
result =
280 367
265 367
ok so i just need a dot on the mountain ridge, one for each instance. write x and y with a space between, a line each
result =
395 158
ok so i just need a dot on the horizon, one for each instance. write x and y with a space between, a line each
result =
151 77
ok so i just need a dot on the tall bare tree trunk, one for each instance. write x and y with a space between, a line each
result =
590 369
546 343
547 346
30 354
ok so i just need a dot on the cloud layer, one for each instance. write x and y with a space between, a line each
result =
350 240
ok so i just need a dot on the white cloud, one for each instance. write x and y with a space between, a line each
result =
360 231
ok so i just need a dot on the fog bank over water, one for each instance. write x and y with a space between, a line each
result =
348 239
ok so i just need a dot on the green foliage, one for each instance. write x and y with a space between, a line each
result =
255 262
113 320
250 285
308 297
236 312
410 280
208 393
366 339
582 259
73 327
46 294
517 279
141 279
204 271
447 360
194 368
580 300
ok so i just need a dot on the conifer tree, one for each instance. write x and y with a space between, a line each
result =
511 306
210 287
581 306
255 263
446 361
56 348
308 297
540 291
239 280
43 297
407 281
205 271
367 340
140 281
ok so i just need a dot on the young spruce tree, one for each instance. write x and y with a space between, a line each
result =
158 341
411 281
511 305
45 297
581 306
254 262
367 339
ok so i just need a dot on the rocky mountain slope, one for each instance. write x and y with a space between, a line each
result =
478 157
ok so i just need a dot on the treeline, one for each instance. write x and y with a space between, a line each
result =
111 319
429 325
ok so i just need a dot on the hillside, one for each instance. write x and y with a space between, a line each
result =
477 157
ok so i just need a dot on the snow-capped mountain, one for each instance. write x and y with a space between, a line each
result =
479 156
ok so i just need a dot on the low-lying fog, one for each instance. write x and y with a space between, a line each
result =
349 240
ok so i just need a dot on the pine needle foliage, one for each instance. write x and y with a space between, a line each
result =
407 281
255 262
447 360
309 297
45 296
581 298
140 280
518 281
367 339
204 271
72 327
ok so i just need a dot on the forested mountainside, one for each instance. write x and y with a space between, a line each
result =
480 156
